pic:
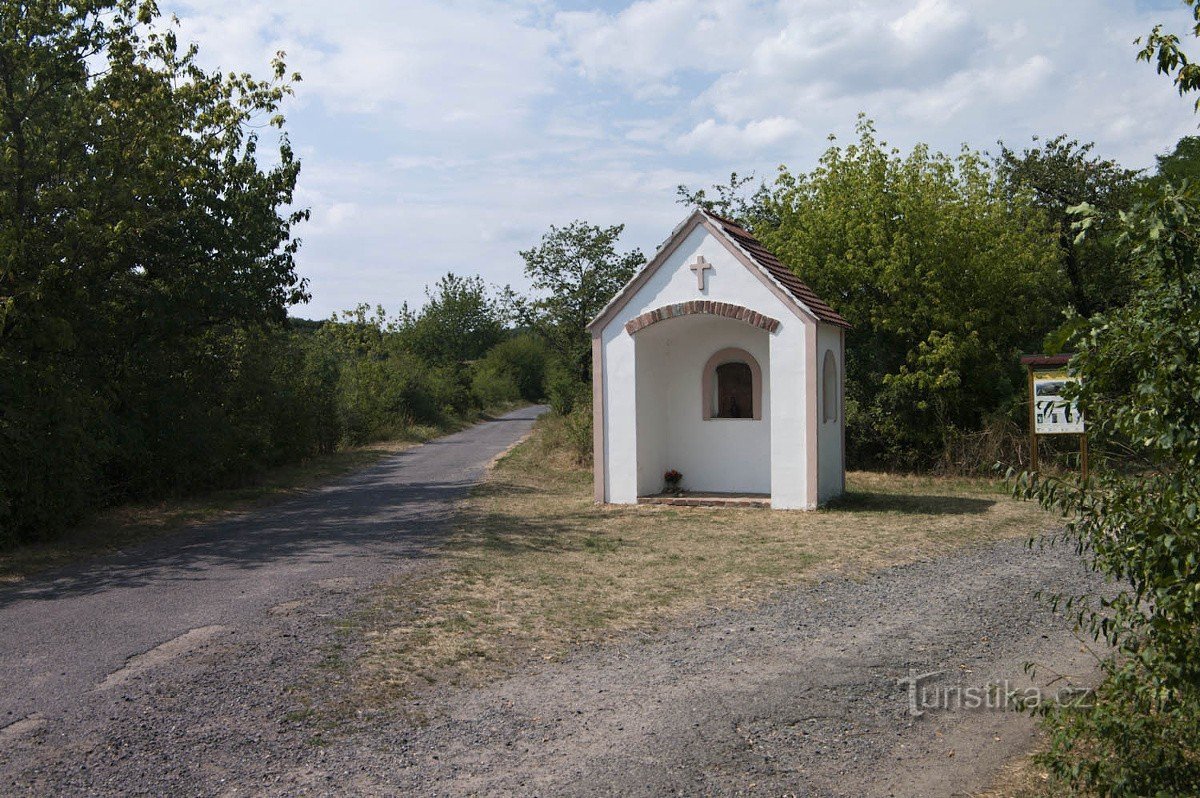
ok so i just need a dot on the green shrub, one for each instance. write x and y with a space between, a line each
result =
578 428
521 359
569 435
493 387
564 390
1140 524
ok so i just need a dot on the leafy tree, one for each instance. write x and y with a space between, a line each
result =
575 270
944 274
1138 522
459 322
139 223
1182 163
1136 518
732 200
1061 174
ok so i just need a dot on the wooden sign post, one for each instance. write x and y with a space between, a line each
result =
1049 412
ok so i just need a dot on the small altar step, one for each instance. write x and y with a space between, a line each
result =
697 499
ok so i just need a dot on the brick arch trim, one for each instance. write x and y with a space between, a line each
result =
702 307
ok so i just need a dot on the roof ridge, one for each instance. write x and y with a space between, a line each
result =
777 270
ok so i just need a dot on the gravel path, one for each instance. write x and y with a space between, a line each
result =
796 697
800 697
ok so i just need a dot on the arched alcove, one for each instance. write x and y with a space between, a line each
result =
829 388
711 385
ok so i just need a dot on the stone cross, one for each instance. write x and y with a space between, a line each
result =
699 267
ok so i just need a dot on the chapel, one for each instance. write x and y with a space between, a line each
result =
718 362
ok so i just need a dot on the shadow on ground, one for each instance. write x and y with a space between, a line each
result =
388 512
917 504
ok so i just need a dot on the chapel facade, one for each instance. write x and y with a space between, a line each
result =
716 361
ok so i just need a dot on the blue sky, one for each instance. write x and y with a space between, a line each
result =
446 135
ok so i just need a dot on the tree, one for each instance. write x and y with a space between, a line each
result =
139 222
1137 519
944 274
1182 163
1061 174
1165 52
459 322
732 200
575 271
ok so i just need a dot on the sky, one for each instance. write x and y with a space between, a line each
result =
448 135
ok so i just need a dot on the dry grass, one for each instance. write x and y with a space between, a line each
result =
1024 778
535 567
119 527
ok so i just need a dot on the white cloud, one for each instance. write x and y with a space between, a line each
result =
748 139
425 64
448 134
648 43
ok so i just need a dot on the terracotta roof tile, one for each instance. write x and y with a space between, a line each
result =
782 274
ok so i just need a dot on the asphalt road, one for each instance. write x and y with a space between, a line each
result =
93 627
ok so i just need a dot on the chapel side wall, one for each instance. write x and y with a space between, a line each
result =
620 416
831 478
789 416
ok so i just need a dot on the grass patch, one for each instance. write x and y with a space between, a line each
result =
535 568
1023 777
119 527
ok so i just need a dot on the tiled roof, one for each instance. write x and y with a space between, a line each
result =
782 274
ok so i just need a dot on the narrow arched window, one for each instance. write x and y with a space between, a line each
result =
829 388
735 391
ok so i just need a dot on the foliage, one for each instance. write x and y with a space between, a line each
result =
146 268
520 362
1140 524
944 273
575 270
1137 520
459 322
142 239
1061 174
1179 165
1165 52
565 390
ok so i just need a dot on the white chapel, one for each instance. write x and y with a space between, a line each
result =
716 361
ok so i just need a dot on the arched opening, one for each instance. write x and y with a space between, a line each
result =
829 388
735 391
732 386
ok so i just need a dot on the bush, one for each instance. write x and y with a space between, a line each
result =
564 390
1140 525
493 387
522 361
578 428
568 436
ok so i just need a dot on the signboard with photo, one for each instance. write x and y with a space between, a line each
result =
1050 413
1054 415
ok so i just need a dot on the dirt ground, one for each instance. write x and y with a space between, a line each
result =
630 652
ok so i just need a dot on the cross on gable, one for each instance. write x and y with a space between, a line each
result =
699 267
